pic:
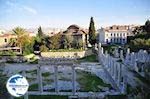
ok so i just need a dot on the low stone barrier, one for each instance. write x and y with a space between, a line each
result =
78 54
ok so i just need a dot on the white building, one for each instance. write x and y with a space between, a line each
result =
115 34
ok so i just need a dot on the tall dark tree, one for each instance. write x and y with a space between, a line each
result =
40 33
147 26
92 34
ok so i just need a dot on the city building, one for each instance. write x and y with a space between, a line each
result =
77 33
5 39
116 34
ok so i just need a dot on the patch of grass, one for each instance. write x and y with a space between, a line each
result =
32 71
46 74
142 79
33 87
90 82
116 97
31 79
90 58
65 79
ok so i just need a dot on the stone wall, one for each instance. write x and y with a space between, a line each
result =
78 54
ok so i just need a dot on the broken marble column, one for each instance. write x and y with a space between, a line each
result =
128 51
116 54
56 78
113 63
111 66
119 74
135 66
127 56
39 74
124 88
106 59
108 62
132 58
115 70
99 51
73 80
121 55
124 82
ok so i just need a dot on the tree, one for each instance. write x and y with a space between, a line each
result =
68 40
21 36
40 34
147 26
55 41
23 40
92 34
43 48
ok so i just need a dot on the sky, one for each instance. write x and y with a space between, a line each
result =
62 13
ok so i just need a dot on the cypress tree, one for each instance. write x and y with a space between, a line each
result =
92 35
147 26
40 33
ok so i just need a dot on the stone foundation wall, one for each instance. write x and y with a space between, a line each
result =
79 54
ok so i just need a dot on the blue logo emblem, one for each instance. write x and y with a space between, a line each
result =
17 85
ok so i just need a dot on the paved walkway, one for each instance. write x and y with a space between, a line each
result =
79 94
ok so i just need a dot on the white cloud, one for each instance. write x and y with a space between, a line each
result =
16 6
29 9
10 3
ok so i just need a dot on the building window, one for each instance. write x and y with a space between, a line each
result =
117 34
114 34
123 34
120 39
120 34
111 34
111 40
5 40
106 40
114 39
123 40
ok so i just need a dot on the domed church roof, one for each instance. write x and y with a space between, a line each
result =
73 26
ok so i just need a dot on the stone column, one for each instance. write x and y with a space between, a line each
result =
119 74
24 74
132 58
99 52
121 55
40 84
135 66
108 62
112 67
56 78
116 53
106 59
114 64
124 84
128 51
124 75
116 72
73 80
102 50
